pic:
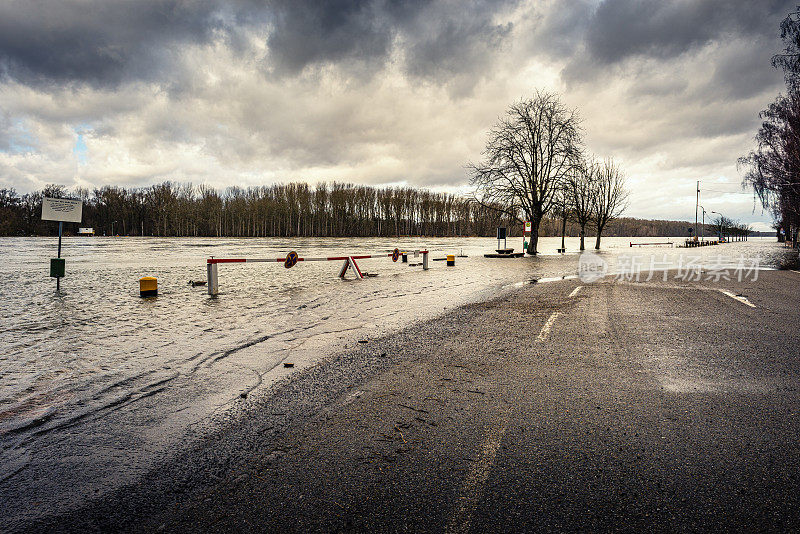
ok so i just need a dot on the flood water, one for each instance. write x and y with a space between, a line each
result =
98 384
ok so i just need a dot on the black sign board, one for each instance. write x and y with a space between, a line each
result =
501 233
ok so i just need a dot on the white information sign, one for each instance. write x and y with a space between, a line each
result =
61 209
527 226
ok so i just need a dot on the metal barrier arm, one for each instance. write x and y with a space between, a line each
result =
349 262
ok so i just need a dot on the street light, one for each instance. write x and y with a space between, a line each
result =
112 228
702 238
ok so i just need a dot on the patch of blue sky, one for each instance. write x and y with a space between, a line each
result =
80 150
17 139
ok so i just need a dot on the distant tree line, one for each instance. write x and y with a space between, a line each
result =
282 210
630 227
773 168
170 209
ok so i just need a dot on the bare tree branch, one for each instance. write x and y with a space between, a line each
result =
528 156
610 197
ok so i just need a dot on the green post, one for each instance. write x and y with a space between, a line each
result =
57 267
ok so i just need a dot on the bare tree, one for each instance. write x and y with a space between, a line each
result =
527 159
610 196
581 188
730 229
563 210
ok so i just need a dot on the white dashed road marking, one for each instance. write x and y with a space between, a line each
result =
575 291
475 481
547 326
734 296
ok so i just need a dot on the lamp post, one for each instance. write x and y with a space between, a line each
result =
703 228
697 203
112 228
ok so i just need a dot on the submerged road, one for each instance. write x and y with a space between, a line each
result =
568 406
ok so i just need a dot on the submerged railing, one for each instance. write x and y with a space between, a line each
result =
292 259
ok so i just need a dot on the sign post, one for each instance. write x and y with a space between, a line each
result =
501 236
61 210
526 231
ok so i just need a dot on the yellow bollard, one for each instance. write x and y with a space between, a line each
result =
148 286
451 260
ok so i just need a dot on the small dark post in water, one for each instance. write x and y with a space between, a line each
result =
57 265
60 230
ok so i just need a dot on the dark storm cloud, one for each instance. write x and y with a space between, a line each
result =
312 32
101 43
741 72
438 39
558 31
444 43
623 28
620 30
108 42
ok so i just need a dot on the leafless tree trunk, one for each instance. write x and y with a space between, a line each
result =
610 198
527 158
582 189
562 209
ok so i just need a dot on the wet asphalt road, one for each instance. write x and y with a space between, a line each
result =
617 406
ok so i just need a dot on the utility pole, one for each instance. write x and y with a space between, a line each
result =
695 209
703 225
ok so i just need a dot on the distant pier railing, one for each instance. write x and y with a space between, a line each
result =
653 244
292 258
691 243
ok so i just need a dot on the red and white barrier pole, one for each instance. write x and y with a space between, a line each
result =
213 278
349 263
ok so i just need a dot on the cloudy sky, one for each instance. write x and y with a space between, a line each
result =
248 92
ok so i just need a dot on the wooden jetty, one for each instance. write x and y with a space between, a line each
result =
505 253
